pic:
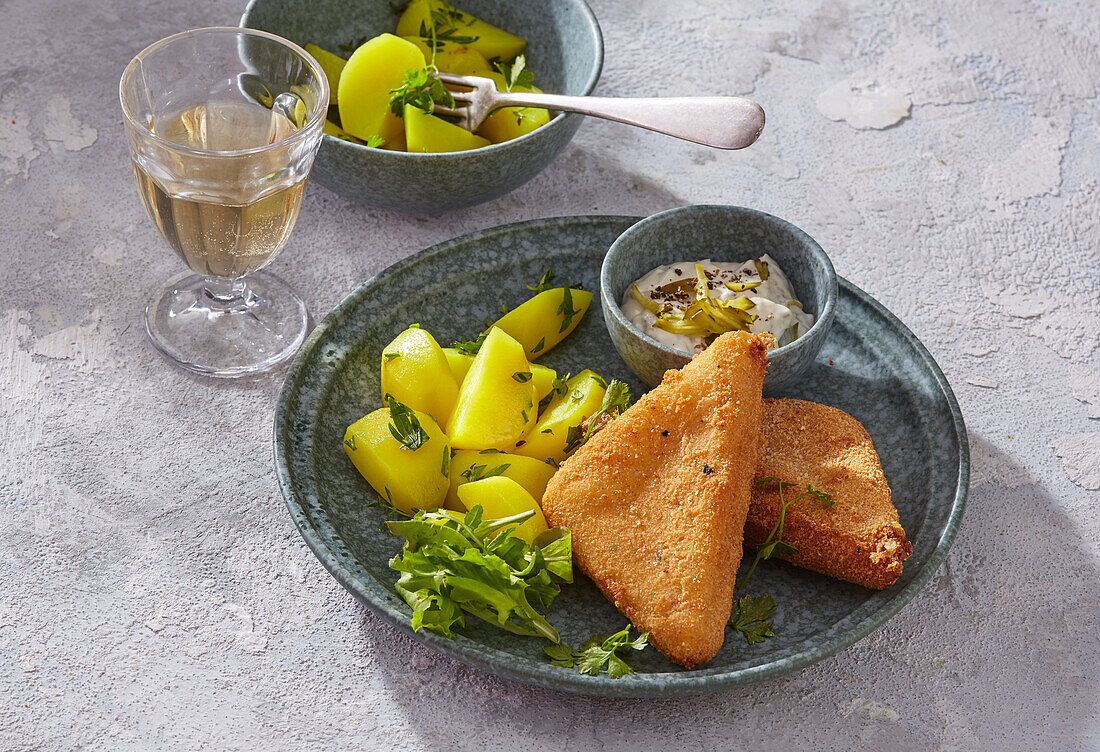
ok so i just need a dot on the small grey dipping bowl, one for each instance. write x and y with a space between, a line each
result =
720 233
564 50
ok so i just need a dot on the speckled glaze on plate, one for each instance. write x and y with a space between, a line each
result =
880 374
564 50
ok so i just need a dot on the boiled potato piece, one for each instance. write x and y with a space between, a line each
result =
530 473
453 58
408 479
333 129
503 497
512 122
491 42
460 363
496 405
364 90
583 397
427 133
415 371
332 65
543 379
543 321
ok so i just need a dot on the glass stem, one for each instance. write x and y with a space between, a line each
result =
223 293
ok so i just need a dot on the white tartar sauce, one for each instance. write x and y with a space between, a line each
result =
775 305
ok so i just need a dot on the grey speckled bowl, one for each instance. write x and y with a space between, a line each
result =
721 233
564 49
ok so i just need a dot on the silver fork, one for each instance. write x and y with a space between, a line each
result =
724 122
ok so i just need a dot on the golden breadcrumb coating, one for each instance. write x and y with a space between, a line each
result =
858 538
656 501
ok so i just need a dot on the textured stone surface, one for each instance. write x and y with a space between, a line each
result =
155 593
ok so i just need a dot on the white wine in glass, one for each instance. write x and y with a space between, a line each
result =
223 125
235 230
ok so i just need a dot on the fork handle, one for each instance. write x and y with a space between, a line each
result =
723 122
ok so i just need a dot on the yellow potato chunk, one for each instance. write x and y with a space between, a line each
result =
364 89
332 65
530 473
543 378
408 479
460 363
496 405
453 58
333 129
550 436
512 122
415 371
503 497
543 321
427 133
491 42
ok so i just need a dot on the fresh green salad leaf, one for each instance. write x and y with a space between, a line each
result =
598 654
453 566
750 617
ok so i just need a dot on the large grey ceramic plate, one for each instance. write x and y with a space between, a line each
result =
871 366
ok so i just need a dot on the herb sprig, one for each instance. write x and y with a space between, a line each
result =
422 89
615 401
515 75
750 617
773 545
598 654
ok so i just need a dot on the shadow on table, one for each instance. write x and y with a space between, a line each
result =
1000 645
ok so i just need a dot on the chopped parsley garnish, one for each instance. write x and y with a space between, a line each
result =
405 426
566 310
522 376
353 45
477 472
560 385
472 347
544 281
539 345
350 441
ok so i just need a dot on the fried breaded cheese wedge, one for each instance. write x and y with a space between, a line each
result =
656 501
858 538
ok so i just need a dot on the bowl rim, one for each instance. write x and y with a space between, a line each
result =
555 122
821 324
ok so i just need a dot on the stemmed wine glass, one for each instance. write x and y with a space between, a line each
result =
223 125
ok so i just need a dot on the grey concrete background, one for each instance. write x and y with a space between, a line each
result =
154 593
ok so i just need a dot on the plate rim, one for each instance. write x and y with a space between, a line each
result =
664 684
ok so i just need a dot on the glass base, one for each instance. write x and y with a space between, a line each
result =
227 328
